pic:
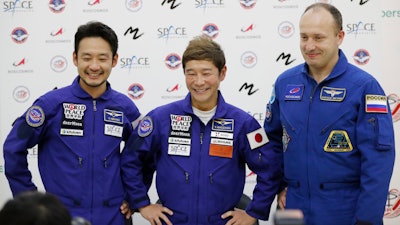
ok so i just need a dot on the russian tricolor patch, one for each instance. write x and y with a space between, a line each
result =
376 104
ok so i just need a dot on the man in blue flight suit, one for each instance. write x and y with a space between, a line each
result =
333 124
199 147
78 130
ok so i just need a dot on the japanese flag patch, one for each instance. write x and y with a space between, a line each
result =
257 138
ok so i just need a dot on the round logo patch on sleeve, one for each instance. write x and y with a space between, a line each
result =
145 127
34 116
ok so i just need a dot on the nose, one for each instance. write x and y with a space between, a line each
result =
94 64
198 79
309 45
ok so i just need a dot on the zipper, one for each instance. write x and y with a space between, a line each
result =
92 152
80 161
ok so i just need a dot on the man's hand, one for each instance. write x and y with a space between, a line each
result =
126 210
239 217
282 199
154 213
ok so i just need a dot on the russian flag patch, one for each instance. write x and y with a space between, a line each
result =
376 104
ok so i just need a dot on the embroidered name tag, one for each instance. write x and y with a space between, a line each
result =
332 94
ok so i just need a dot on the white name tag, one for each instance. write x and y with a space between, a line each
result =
113 130
177 149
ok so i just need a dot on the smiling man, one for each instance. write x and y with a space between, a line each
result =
199 147
78 130
332 122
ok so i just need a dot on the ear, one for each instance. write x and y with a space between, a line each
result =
340 37
115 60
75 58
223 73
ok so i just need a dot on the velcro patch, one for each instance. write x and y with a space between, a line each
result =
35 116
145 127
338 141
376 104
257 138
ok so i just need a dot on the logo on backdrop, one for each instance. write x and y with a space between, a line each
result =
173 88
394 103
247 32
21 94
211 30
361 2
392 204
33 152
57 36
249 88
19 35
134 62
134 32
58 63
361 57
286 29
18 6
286 58
391 13
248 59
203 4
248 4
172 3
136 91
19 66
173 61
259 116
57 6
174 92
133 5
360 28
94 2
285 4
19 63
171 32
94 6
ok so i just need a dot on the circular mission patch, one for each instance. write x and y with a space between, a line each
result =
145 127
34 116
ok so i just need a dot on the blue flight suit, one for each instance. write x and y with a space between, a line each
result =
200 168
79 158
338 142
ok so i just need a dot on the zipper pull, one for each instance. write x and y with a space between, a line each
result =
94 105
211 178
105 162
186 177
80 161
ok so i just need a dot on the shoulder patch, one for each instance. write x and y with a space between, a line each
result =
376 104
257 138
145 127
35 116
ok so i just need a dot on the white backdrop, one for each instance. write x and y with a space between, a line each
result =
260 39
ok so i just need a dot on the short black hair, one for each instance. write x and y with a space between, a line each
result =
34 208
97 29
